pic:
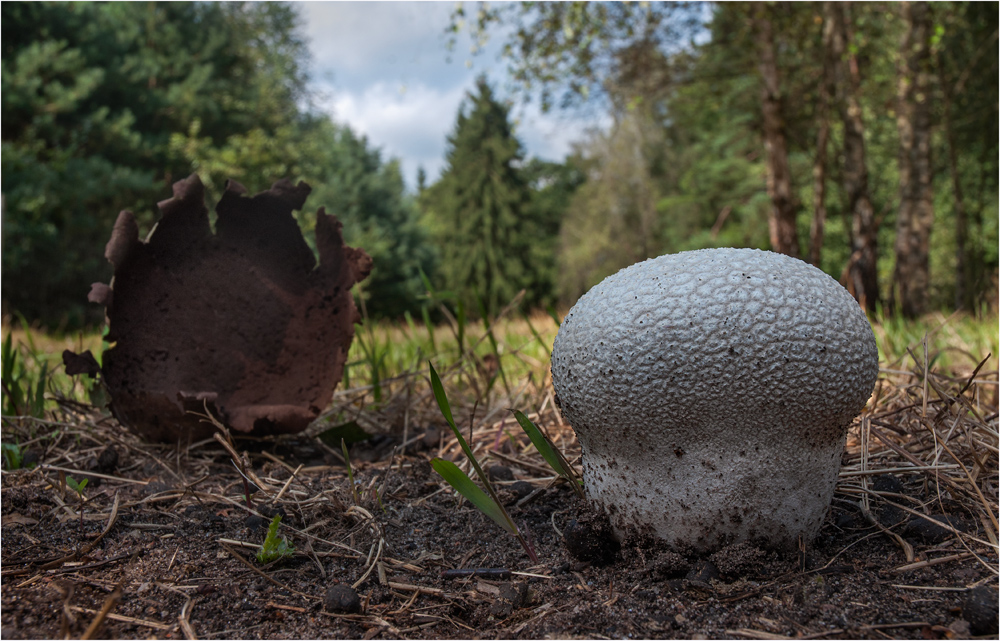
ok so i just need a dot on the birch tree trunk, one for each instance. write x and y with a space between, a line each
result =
911 277
862 268
962 276
816 229
784 206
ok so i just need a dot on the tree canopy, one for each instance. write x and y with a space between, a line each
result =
105 105
861 137
478 211
731 100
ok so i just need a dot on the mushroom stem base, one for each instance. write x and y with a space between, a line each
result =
702 501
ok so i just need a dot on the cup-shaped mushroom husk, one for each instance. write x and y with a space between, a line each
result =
242 322
711 392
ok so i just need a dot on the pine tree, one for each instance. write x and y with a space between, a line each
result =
478 211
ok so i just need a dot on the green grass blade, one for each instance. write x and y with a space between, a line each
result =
12 457
445 406
37 402
427 283
548 451
17 400
442 400
27 334
77 486
410 326
350 472
9 357
541 443
426 313
464 485
370 351
534 332
274 547
552 312
12 386
494 347
460 319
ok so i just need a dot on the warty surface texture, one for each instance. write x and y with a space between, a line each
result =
711 391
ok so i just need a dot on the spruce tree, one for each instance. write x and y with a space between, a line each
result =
478 211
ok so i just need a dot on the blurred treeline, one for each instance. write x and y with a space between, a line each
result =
105 105
861 137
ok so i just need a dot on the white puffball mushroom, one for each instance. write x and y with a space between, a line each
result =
711 392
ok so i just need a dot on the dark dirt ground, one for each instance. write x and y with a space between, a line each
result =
176 558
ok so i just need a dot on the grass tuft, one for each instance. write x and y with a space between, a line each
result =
489 505
274 547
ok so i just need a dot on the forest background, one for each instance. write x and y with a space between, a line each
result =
861 137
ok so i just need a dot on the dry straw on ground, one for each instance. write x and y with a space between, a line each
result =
167 548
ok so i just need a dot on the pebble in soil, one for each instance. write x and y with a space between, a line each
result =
888 515
703 573
29 460
590 539
107 462
343 599
932 533
521 489
979 608
512 596
667 564
500 473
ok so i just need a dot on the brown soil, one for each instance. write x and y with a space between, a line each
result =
167 546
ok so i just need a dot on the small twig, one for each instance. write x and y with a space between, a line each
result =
364 577
91 566
185 620
279 606
222 436
125 619
547 471
890 626
287 484
109 605
930 562
108 477
974 485
414 588
90 546
486 573
535 493
67 620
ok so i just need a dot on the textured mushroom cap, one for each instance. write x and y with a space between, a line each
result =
711 392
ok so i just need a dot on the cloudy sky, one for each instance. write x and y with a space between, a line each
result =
383 68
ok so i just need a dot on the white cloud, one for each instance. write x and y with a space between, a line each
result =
550 135
382 68
411 125
356 41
